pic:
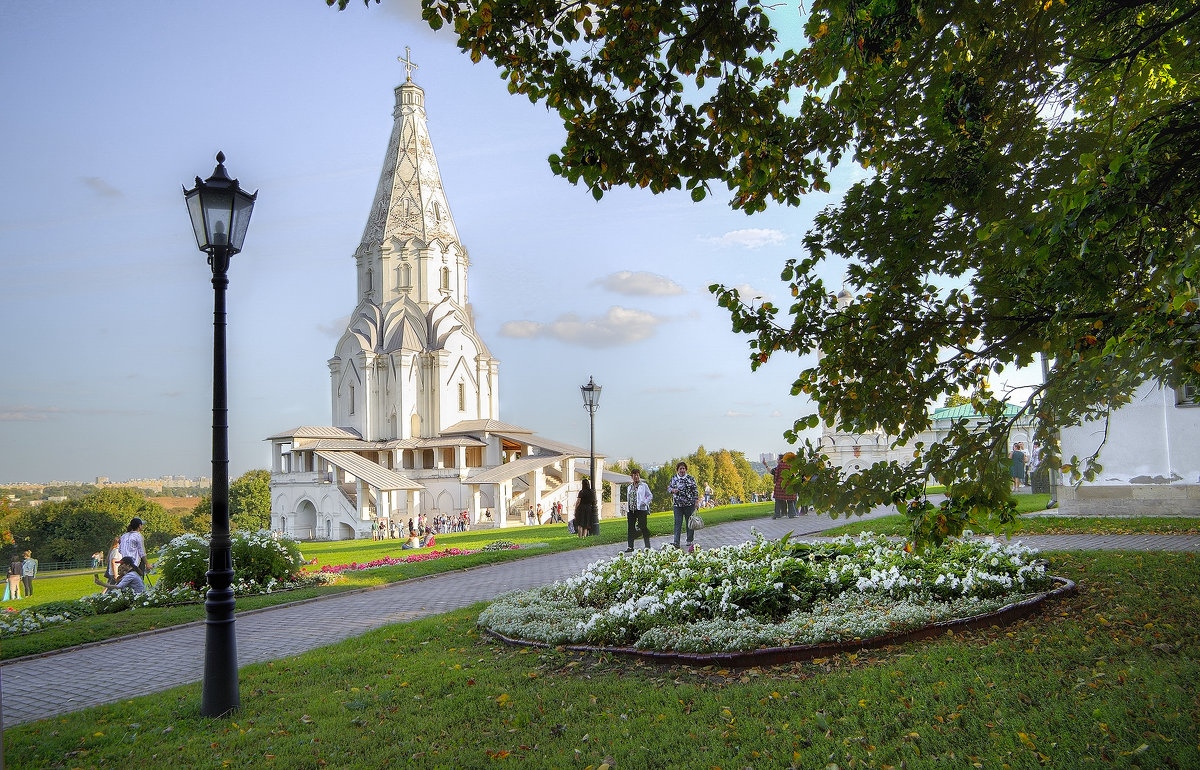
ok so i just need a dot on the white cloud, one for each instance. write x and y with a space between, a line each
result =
737 415
640 284
523 330
101 187
619 326
43 413
749 238
334 328
751 295
27 413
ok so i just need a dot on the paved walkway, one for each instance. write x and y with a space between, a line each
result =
70 680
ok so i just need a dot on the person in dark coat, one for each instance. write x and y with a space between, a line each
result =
585 510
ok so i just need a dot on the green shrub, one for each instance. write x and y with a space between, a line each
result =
183 562
258 557
69 607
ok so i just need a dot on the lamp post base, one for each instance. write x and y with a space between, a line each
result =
220 693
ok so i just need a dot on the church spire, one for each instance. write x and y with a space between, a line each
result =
409 200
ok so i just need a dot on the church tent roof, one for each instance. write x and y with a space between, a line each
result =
372 473
514 469
316 431
542 442
485 426
356 445
436 441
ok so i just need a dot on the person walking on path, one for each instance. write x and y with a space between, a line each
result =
684 495
639 497
28 571
133 545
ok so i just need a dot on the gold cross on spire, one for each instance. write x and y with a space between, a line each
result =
407 61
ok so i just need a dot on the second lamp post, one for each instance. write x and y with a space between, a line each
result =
591 402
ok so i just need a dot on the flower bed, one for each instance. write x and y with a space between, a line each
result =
769 594
27 621
389 561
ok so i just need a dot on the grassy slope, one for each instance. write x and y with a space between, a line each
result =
1106 677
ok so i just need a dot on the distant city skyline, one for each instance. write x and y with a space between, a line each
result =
110 109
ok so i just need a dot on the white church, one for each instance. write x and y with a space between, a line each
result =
414 390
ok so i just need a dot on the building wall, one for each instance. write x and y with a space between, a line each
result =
1151 460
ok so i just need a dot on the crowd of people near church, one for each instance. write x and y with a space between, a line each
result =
420 526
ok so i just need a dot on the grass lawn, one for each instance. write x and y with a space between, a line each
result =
554 536
1046 525
1107 676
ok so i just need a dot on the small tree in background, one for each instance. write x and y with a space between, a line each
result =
199 521
249 501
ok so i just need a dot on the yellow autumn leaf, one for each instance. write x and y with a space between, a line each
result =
503 698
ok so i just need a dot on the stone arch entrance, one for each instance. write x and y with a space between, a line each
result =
304 523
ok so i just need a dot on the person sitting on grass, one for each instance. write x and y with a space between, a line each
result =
128 578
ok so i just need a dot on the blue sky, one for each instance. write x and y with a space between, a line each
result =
109 108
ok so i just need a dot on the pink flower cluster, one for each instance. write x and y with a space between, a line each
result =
389 561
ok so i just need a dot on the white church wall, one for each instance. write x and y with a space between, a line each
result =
1151 460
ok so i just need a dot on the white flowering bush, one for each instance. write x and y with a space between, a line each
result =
258 557
769 593
183 561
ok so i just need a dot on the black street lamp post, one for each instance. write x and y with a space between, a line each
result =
591 402
220 212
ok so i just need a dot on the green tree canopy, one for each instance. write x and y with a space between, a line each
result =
1033 190
250 500
727 480
74 529
199 520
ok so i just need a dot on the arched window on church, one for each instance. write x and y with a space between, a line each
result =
446 278
367 283
408 459
406 274
462 397
414 426
351 399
